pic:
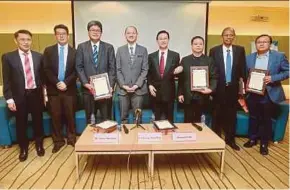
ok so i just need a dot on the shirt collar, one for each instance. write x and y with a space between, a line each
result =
264 55
22 52
65 46
134 46
225 48
97 44
165 52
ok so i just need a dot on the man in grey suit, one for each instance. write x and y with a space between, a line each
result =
132 69
95 57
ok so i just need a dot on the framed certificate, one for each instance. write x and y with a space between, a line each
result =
255 83
199 77
101 86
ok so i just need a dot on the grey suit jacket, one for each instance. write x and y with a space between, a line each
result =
132 73
85 66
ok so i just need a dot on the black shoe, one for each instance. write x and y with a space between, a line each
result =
40 150
234 146
57 147
250 143
23 154
264 149
71 143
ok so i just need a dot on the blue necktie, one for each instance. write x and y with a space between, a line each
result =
61 64
95 55
228 67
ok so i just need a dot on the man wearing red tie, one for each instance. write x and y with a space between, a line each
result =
23 91
162 67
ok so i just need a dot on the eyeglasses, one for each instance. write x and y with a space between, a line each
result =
262 42
24 40
229 35
61 34
96 31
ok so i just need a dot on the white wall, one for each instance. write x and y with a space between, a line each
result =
182 20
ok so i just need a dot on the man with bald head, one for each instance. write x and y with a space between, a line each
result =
132 69
230 61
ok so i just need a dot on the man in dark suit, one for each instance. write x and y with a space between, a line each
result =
132 69
162 64
22 89
230 63
95 57
262 107
59 69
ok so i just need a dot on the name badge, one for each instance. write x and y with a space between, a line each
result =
183 137
112 138
149 137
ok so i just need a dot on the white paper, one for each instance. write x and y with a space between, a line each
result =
257 81
183 137
106 124
164 124
149 137
100 86
106 138
199 78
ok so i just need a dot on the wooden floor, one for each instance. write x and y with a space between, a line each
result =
245 169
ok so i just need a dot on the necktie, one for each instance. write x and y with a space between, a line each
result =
61 64
131 55
161 64
28 72
95 55
228 67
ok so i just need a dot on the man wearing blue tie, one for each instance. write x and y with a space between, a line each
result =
230 63
261 107
59 69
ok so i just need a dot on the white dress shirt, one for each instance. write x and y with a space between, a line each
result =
225 55
134 48
165 56
65 52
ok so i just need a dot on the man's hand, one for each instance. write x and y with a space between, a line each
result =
134 87
178 70
152 90
61 86
267 79
88 86
181 98
12 107
206 91
127 88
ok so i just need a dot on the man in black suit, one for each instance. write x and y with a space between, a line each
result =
95 57
230 63
22 89
162 65
59 69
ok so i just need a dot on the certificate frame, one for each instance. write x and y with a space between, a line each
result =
101 78
253 90
155 123
194 69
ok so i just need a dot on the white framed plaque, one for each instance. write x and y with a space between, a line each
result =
199 78
101 86
255 83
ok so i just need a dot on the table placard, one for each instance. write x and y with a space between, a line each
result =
149 137
183 137
110 138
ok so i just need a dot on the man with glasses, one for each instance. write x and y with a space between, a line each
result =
22 89
230 61
95 57
262 107
59 69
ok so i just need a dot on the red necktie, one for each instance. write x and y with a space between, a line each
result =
28 72
161 65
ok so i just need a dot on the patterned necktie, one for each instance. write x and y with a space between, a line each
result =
161 65
61 64
228 67
131 54
95 55
28 72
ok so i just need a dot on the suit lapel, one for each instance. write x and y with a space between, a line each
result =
55 57
90 51
19 63
168 62
156 62
101 53
68 59
35 61
271 60
253 61
222 63
234 66
137 52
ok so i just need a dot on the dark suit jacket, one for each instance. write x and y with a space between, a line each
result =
238 70
85 66
165 86
13 75
184 78
50 66
278 67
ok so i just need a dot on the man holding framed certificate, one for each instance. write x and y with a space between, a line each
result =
196 82
266 69
95 57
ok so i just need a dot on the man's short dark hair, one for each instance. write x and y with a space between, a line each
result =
264 35
162 32
197 37
22 31
60 26
95 23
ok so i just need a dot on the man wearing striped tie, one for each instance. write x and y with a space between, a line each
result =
22 89
95 57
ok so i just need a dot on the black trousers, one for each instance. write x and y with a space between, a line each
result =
92 106
62 109
162 107
225 115
193 111
32 103
261 110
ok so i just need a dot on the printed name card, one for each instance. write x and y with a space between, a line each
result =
112 138
149 137
184 137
